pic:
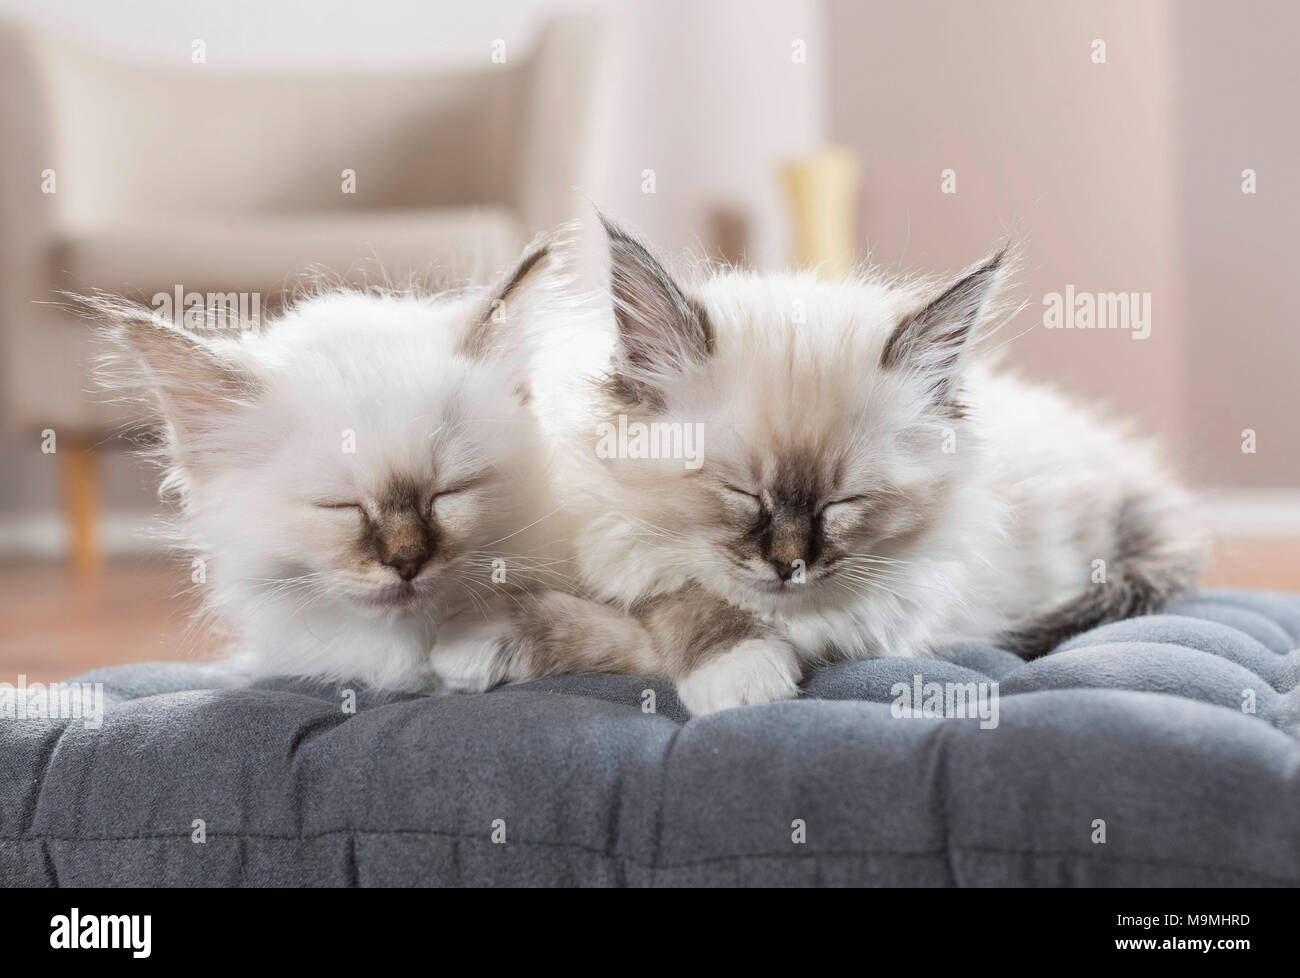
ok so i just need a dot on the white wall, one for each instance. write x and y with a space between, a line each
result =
249 35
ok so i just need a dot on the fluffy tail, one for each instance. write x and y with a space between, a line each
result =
1157 557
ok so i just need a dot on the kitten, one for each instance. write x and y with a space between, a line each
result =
864 491
362 479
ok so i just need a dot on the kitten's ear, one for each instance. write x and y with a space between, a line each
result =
193 385
509 302
931 340
661 330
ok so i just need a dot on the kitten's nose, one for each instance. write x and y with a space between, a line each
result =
407 561
783 570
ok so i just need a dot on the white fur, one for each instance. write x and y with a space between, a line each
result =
757 670
1034 477
251 472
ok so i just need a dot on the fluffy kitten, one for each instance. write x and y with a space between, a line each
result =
863 490
362 479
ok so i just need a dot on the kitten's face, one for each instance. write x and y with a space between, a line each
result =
396 467
829 420
362 450
786 510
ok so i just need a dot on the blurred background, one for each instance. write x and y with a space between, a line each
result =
1142 147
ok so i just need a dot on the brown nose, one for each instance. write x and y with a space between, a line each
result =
783 570
407 561
791 537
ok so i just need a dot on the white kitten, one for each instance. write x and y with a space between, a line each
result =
862 492
362 478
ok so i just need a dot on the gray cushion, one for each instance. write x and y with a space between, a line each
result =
1138 725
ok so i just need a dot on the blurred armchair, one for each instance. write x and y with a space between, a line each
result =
138 179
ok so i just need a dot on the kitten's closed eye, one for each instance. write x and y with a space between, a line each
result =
457 489
831 510
336 504
740 496
842 507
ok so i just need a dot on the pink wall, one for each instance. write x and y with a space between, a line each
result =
1077 158
1238 108
1123 176
709 97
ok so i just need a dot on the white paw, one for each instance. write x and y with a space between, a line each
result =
469 655
758 670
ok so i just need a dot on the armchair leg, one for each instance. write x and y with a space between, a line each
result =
80 476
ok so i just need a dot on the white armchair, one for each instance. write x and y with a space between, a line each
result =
231 183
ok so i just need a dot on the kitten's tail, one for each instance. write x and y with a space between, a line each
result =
1157 557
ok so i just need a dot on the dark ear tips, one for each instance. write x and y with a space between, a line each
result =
660 328
931 339
480 338
615 231
998 258
611 229
537 256
530 261
188 381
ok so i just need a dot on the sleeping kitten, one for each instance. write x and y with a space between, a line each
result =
862 489
362 479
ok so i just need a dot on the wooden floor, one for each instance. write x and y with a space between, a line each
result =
55 623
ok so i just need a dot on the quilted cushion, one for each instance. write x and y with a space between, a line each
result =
1156 751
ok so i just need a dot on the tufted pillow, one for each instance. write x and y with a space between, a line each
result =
1157 751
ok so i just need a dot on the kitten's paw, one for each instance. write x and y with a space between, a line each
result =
758 670
470 654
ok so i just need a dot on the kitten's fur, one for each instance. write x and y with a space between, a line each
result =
352 474
827 408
